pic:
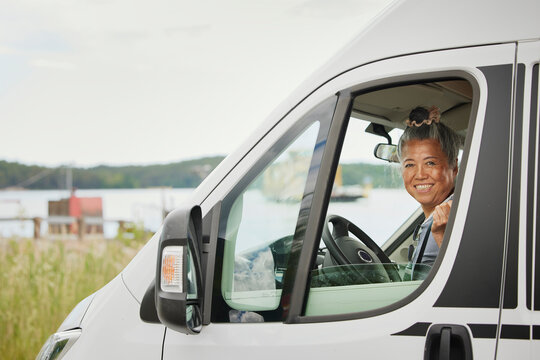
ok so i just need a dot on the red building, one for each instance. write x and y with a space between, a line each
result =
82 215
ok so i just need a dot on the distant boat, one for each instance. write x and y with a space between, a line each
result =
348 193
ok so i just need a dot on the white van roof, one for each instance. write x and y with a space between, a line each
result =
408 27
413 26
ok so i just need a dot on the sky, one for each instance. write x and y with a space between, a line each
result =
120 82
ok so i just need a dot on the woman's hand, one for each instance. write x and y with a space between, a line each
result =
440 218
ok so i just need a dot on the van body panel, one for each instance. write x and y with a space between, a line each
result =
389 325
112 328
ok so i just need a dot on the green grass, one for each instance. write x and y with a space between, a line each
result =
41 281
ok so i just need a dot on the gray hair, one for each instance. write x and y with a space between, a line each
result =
450 141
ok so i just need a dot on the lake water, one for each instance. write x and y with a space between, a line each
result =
378 215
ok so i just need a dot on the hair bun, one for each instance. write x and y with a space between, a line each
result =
420 116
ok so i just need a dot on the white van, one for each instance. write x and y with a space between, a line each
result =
250 267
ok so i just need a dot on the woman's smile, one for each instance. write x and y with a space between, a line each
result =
423 187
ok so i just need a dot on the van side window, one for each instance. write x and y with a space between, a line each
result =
368 255
258 223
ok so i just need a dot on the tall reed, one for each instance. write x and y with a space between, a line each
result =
41 281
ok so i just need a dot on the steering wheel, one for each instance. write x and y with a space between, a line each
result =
346 250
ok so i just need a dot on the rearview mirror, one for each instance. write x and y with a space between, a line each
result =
176 293
386 152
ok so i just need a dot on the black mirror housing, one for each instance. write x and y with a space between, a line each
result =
148 312
178 285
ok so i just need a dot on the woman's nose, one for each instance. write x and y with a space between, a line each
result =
420 172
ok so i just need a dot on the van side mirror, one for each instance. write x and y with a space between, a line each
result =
176 293
386 152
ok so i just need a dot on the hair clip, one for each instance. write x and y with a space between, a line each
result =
433 117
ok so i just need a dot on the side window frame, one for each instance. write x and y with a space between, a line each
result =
305 256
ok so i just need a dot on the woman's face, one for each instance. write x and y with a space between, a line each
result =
426 173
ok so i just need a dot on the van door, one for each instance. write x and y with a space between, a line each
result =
520 319
275 289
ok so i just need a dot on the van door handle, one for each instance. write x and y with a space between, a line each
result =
447 341
446 338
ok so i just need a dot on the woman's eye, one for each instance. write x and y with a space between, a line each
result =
407 165
430 163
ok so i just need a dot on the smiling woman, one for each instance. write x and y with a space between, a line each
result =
428 153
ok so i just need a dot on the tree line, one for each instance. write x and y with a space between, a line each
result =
184 174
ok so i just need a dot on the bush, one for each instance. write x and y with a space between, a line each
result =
42 281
